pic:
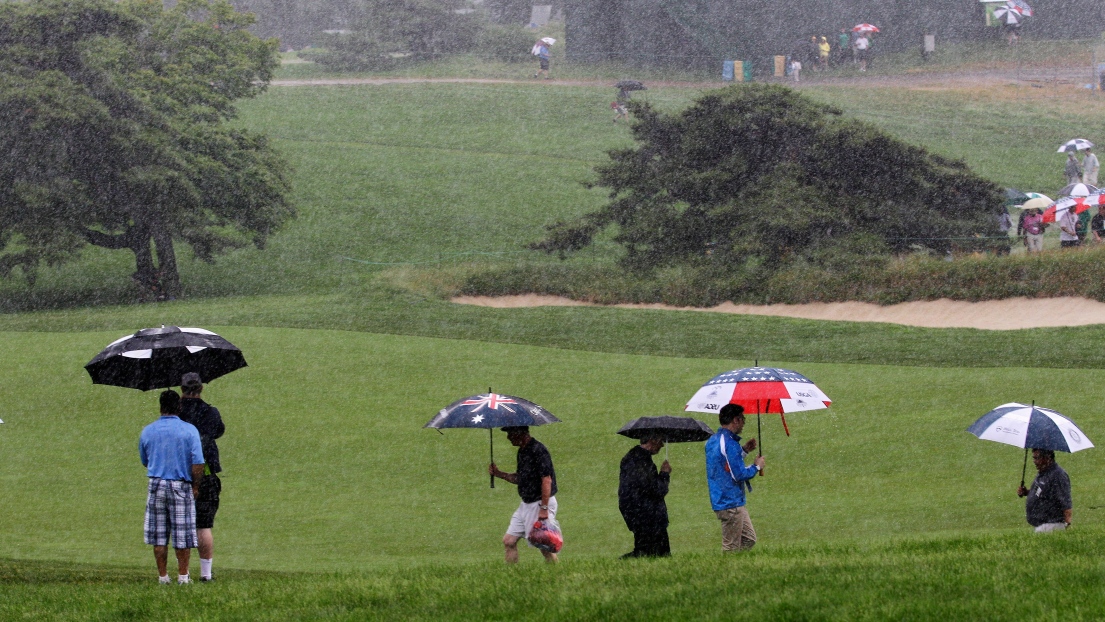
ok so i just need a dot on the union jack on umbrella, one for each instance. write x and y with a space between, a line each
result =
490 410
760 390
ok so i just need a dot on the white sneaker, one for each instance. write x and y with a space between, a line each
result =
183 580
164 580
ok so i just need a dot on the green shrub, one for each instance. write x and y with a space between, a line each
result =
509 44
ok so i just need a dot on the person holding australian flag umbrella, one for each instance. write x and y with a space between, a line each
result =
535 475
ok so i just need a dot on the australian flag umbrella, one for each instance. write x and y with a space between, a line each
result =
156 358
1030 427
491 410
761 390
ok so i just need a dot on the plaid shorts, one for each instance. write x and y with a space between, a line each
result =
170 512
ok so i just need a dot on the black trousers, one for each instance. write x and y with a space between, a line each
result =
650 543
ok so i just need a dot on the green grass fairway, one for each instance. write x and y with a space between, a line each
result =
327 467
875 508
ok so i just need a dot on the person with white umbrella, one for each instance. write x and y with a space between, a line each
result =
1048 505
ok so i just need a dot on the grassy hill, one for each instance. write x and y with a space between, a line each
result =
339 505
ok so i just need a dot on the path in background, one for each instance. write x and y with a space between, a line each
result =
1008 314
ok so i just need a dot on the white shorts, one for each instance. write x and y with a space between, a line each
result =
526 515
1046 527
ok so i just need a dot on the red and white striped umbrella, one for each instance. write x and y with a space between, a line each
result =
1055 211
865 28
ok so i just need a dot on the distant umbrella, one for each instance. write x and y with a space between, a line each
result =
491 410
1077 203
1040 202
1009 16
1077 190
1014 197
1021 6
1076 144
548 40
630 85
865 28
156 358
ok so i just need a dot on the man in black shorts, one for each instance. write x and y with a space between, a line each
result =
209 422
536 481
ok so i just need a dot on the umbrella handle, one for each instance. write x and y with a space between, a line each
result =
759 433
491 436
1024 469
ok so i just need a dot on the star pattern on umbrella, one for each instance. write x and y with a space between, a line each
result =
759 374
477 419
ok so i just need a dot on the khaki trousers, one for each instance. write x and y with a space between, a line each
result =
737 533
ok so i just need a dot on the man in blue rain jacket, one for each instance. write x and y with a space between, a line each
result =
729 478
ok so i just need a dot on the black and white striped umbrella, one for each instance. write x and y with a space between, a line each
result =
1073 145
1010 16
156 358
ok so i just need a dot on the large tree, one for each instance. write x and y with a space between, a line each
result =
758 177
113 123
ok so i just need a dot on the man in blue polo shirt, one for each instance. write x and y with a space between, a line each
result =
171 452
728 478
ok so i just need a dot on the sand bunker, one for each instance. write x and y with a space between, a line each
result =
1008 314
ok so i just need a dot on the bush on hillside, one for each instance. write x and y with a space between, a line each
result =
758 178
401 32
508 44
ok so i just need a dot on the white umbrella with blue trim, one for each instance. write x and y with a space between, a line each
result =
1030 427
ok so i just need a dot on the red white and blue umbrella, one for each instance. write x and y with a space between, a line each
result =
760 390
1030 427
491 410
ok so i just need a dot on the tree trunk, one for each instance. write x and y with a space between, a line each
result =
166 262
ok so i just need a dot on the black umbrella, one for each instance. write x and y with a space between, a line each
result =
1014 197
630 85
671 429
490 410
156 358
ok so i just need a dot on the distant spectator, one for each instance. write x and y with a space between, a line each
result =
1090 166
541 51
1032 227
863 50
796 70
1068 229
1082 227
813 51
620 111
823 53
1073 169
844 46
1005 223
1097 225
1048 506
